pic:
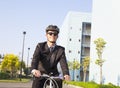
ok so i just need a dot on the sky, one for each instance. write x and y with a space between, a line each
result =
32 16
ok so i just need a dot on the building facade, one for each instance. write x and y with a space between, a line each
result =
105 24
75 36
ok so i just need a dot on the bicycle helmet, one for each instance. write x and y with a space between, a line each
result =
52 28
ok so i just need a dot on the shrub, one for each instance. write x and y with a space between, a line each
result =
4 75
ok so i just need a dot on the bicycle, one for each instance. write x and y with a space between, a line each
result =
50 81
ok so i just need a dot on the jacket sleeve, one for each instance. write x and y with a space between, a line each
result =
63 63
36 57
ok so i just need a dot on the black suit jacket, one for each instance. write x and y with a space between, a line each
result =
47 61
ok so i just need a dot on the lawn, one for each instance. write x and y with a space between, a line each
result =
15 80
91 85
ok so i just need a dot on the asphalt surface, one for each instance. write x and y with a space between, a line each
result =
15 85
26 85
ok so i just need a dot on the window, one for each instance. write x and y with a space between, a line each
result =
70 39
70 51
78 52
80 29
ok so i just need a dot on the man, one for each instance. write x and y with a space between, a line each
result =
46 57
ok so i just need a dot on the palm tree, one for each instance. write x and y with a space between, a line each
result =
100 44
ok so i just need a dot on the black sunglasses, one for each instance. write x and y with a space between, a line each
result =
51 33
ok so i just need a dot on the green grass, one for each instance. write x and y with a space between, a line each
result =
15 80
91 84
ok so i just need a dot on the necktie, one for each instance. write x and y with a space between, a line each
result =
51 49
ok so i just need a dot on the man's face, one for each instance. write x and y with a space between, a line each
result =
52 36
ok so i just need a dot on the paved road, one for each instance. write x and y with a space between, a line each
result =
26 85
15 85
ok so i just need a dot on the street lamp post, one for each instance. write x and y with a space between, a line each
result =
28 60
24 32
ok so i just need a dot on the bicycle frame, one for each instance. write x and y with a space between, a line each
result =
52 81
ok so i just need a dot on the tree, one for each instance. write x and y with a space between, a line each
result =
0 56
70 65
100 44
23 65
85 65
74 65
10 64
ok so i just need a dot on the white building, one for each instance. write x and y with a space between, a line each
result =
75 37
105 24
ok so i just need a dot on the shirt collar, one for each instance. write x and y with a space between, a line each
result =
51 46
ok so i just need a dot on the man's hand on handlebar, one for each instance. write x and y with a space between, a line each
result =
67 77
36 73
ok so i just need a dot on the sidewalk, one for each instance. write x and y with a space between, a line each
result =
27 85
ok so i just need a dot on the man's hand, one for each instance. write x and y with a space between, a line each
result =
36 73
67 77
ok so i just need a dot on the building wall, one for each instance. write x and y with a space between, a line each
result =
105 24
71 34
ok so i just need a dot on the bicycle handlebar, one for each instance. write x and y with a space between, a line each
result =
48 76
52 80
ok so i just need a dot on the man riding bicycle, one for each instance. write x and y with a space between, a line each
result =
46 57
